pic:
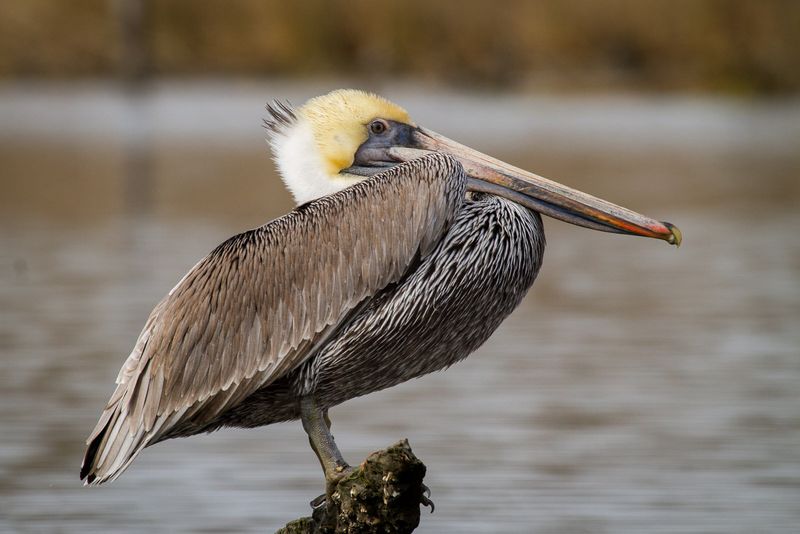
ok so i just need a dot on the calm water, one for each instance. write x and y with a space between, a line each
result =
638 388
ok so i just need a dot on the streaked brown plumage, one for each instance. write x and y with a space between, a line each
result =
256 307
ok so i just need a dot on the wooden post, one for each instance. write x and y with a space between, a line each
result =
383 494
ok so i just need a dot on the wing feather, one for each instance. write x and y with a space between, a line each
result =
259 304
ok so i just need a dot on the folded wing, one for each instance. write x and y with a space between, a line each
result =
259 304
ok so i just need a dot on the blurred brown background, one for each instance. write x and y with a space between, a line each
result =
638 388
731 46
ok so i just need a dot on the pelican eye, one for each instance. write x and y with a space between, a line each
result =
378 126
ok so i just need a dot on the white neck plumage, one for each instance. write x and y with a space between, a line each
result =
300 164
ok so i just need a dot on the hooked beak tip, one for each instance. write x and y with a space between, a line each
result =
675 237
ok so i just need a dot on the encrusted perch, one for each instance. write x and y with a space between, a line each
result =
383 494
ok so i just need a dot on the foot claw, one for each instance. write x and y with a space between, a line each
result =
425 498
426 491
318 501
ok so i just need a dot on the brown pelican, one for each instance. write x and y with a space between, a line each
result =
405 253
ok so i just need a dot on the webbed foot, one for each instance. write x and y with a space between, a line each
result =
332 479
334 476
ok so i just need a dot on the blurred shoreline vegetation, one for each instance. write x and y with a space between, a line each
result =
740 47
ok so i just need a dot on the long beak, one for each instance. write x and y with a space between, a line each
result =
490 175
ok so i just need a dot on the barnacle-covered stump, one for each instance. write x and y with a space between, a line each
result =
383 494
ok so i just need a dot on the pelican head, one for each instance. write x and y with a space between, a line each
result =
315 145
338 139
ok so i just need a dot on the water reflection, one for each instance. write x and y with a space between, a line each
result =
637 388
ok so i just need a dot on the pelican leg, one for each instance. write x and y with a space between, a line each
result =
317 425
